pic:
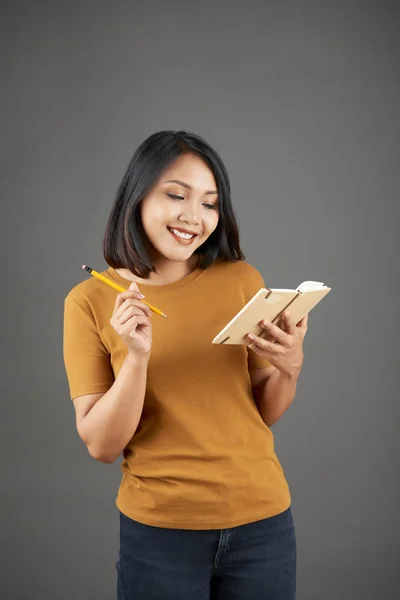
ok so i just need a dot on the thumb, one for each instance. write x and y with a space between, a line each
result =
133 286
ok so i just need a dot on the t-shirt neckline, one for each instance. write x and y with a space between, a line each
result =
157 289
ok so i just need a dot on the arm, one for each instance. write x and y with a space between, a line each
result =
274 395
274 388
106 422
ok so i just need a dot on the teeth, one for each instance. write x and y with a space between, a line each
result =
185 236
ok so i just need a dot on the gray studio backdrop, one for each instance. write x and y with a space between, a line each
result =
301 99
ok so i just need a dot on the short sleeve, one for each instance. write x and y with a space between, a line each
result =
254 282
86 359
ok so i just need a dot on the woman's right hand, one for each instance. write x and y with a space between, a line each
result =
131 319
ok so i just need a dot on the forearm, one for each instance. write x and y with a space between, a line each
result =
113 420
275 397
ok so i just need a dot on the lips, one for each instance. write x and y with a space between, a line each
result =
183 230
179 239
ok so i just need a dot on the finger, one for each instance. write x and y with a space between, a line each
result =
134 286
129 312
124 303
131 325
302 327
132 302
302 324
267 336
276 332
122 296
304 321
264 345
290 326
134 322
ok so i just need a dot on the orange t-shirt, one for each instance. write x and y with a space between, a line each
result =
201 457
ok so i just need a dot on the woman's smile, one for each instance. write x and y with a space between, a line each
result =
181 237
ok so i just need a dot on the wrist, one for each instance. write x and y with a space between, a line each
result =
289 376
134 359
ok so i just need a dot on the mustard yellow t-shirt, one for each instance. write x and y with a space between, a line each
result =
201 457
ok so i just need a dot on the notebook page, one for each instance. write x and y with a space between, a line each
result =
311 285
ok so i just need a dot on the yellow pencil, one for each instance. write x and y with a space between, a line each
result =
120 288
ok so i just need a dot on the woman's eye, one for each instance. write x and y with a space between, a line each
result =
175 196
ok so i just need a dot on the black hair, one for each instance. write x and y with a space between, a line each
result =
125 242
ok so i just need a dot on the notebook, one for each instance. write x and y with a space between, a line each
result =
269 304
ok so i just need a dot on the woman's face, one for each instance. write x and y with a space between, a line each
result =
185 199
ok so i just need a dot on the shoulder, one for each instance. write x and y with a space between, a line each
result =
241 269
249 271
87 291
238 278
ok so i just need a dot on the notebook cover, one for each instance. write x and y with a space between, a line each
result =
268 304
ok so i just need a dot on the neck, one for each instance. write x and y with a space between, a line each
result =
167 272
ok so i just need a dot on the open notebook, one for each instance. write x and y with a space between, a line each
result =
269 304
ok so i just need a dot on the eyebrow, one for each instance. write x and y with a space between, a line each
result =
186 185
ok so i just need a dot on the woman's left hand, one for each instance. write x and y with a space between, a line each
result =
286 352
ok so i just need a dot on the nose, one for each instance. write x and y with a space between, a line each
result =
190 218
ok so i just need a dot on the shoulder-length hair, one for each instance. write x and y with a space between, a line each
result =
125 242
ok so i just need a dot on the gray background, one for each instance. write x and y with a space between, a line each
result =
300 100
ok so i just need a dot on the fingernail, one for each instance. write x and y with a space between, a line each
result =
251 337
141 296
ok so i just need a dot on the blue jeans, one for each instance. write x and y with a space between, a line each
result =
256 561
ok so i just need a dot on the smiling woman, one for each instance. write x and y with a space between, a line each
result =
186 415
176 213
180 233
174 181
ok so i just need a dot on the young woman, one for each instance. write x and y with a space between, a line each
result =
203 502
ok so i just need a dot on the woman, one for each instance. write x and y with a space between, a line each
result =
203 502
